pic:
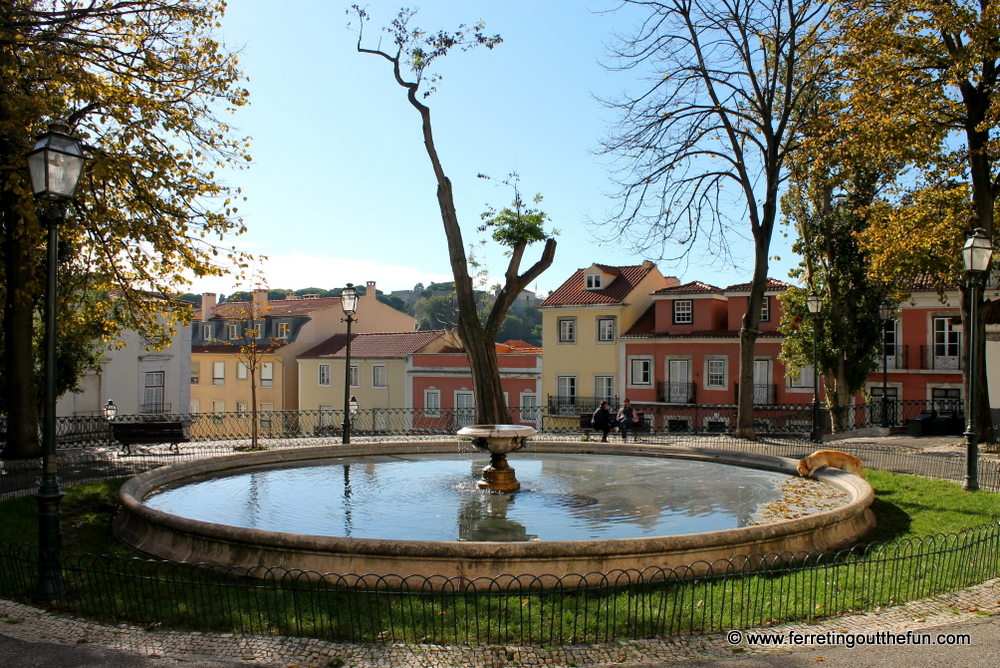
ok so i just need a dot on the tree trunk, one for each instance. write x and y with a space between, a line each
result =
748 339
840 400
21 398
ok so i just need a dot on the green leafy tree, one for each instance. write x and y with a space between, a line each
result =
143 83
413 53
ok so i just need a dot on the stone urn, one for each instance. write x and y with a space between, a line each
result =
498 439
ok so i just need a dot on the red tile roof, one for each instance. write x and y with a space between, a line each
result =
694 287
279 308
375 346
574 293
771 285
518 348
645 327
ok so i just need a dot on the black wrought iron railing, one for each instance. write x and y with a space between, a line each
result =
943 357
896 357
574 405
762 393
676 393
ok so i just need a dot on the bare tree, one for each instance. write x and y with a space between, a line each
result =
252 350
712 130
414 52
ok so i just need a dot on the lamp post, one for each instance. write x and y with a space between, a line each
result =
348 302
110 410
55 164
815 304
885 313
977 254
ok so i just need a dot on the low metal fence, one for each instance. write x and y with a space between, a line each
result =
737 593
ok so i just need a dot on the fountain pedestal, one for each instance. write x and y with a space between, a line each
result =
498 439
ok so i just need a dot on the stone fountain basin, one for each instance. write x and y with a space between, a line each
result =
499 439
181 539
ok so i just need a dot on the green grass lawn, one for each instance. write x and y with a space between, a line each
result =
916 561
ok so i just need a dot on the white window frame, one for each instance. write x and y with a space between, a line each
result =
324 375
529 407
594 281
241 410
432 403
711 374
605 330
765 310
643 368
254 331
355 374
206 332
234 331
806 379
242 371
325 417
218 373
604 387
376 368
683 311
194 406
284 331
567 392
267 374
567 330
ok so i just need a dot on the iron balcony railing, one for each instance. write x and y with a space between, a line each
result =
762 394
896 357
156 408
676 393
947 357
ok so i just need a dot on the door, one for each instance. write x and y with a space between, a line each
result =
891 405
465 409
679 379
947 344
762 382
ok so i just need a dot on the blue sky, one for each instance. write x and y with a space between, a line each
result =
341 189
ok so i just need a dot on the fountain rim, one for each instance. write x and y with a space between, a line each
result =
135 490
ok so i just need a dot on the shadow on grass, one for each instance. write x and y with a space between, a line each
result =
891 521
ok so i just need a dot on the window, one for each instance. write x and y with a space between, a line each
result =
284 331
566 391
378 376
234 332
324 375
152 396
195 373
529 408
593 281
604 388
355 376
267 374
683 312
195 406
567 330
605 329
206 332
802 377
716 373
241 410
218 373
432 403
641 372
254 332
946 399
242 370
946 339
218 407
889 337
765 310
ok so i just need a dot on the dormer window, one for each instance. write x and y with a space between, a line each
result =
683 312
594 282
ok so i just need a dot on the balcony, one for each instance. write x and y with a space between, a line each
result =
151 409
676 393
897 357
567 405
947 356
762 394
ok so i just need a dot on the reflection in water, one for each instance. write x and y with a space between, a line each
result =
434 497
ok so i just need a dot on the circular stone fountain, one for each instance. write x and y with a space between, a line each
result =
168 535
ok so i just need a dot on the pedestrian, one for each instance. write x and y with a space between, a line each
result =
626 418
602 420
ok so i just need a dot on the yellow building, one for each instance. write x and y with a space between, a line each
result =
582 321
378 376
281 330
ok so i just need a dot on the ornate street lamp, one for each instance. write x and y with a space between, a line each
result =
55 164
348 302
977 254
110 410
815 304
885 313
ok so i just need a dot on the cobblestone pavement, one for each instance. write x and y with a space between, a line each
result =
26 628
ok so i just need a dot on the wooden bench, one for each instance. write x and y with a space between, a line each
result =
640 427
150 433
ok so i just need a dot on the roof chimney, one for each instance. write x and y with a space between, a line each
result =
370 290
260 300
208 303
